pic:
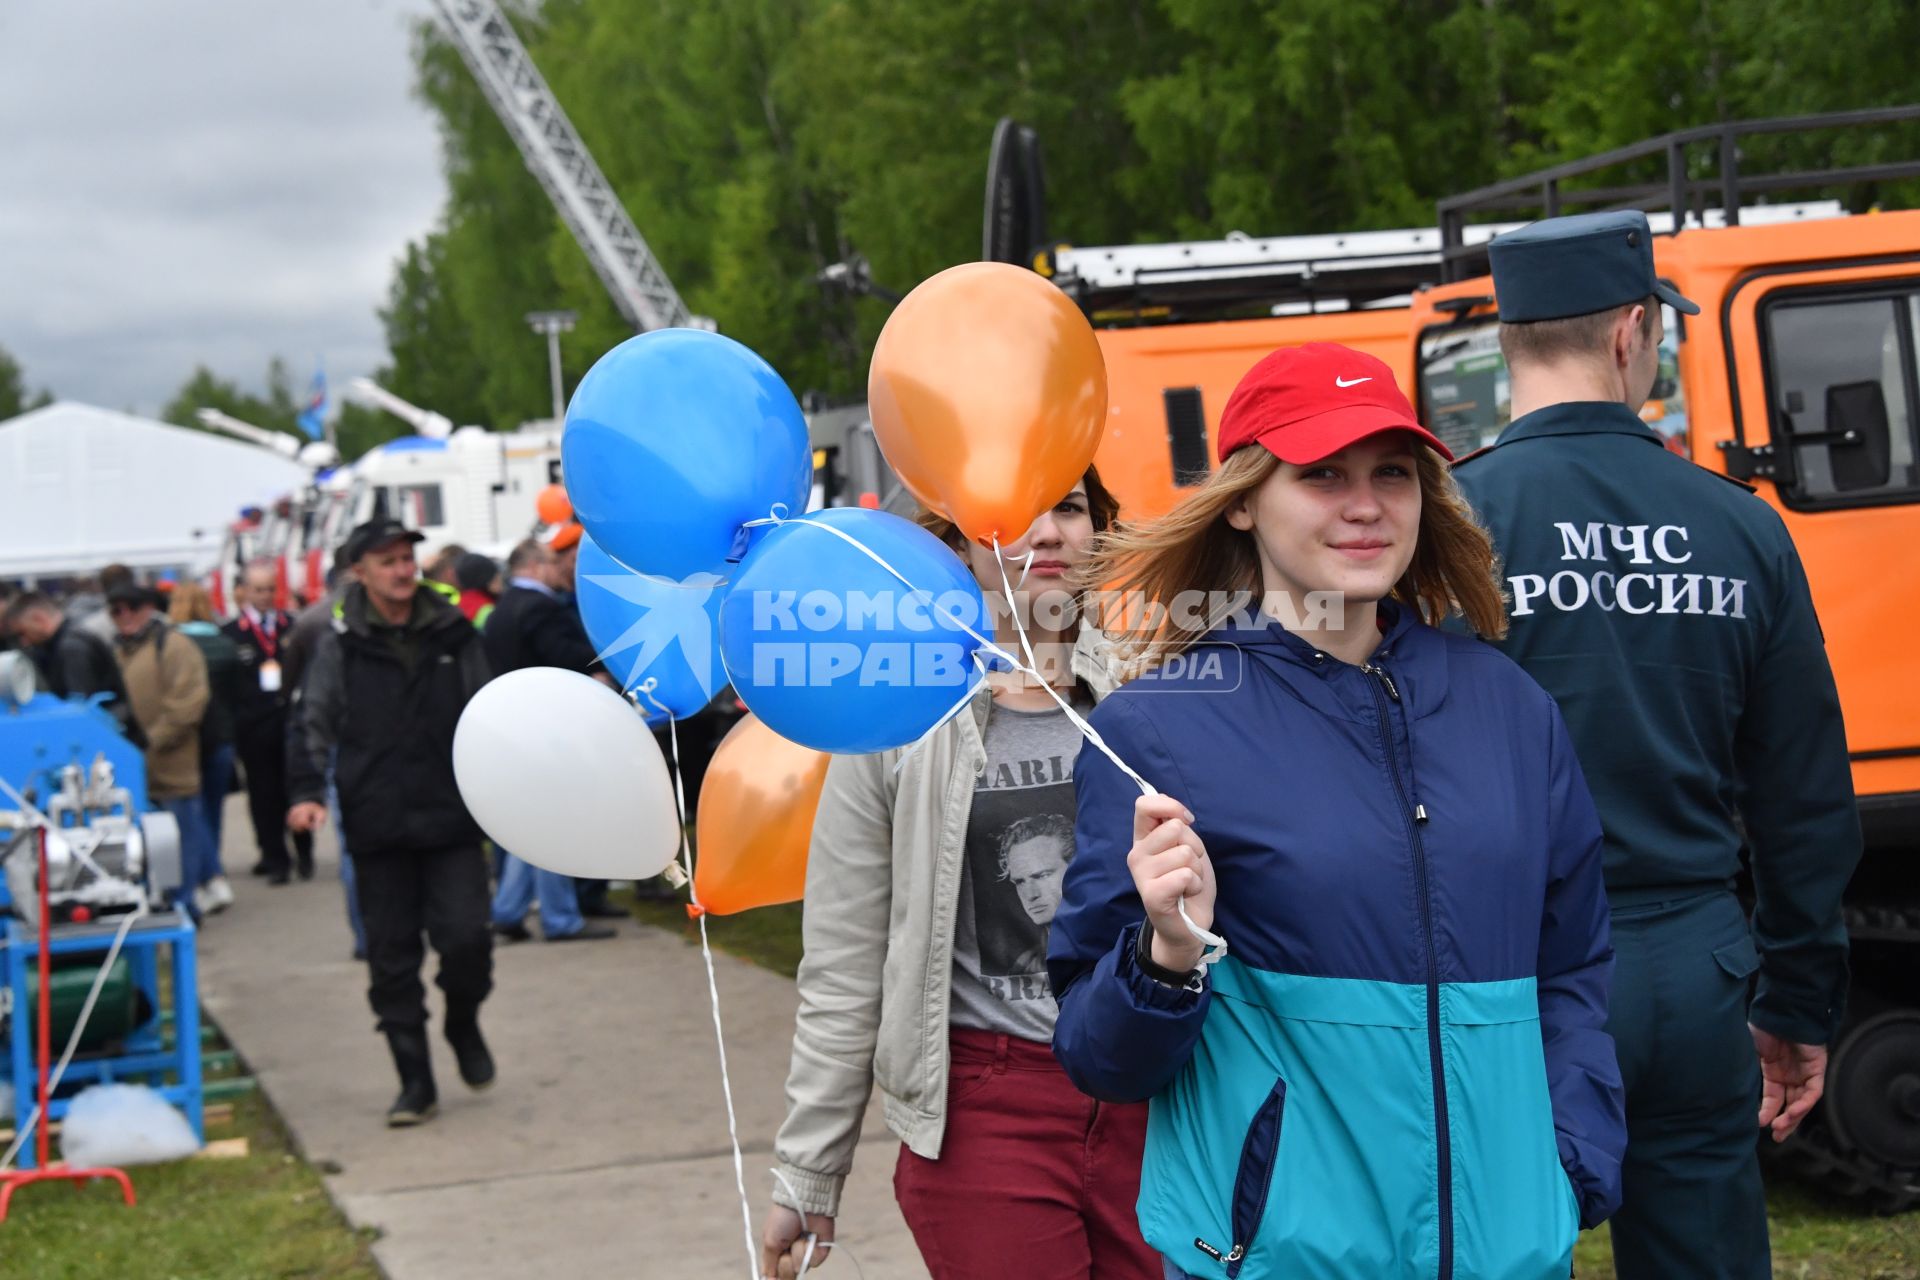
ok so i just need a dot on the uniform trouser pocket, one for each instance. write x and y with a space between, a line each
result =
1678 1008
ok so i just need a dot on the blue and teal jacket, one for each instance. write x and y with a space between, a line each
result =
1400 1069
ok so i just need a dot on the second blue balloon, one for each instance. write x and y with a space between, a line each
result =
651 629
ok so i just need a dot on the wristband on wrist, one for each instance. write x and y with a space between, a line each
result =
1143 956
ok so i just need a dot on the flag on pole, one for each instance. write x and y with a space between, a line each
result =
312 418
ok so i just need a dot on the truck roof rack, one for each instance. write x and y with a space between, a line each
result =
1681 192
1287 275
1241 274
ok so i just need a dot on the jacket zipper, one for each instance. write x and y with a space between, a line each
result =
1253 1182
1382 691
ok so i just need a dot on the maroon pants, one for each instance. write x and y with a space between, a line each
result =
1035 1180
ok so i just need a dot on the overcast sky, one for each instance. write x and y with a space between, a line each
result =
205 182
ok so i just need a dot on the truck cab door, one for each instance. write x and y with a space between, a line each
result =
1825 392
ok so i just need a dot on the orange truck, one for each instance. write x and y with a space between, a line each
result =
1801 377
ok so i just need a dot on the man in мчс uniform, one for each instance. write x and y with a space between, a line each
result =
1665 609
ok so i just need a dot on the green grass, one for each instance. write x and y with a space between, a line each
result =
1814 1237
768 936
245 1219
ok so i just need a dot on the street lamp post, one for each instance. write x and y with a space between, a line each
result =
553 324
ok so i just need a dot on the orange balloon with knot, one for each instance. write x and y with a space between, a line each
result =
988 396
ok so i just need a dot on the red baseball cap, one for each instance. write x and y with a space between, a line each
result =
1307 402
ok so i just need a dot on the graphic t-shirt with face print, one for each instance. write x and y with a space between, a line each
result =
1019 841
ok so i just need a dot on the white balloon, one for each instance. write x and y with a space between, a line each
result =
562 772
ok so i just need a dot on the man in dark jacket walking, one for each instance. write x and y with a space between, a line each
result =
382 697
259 631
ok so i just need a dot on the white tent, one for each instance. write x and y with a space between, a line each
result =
81 488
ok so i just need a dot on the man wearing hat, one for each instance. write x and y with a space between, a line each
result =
1667 612
381 697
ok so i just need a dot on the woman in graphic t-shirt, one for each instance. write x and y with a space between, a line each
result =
931 887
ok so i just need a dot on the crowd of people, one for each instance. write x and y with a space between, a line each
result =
202 698
1392 938
345 713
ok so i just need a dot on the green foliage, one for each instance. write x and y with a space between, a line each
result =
424 329
14 397
756 142
356 429
276 411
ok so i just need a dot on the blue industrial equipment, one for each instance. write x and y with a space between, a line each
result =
66 764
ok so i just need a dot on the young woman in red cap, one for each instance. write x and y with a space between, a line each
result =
1398 1069
931 887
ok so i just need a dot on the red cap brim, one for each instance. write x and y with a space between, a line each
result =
1306 440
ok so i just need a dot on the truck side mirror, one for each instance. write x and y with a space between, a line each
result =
1859 436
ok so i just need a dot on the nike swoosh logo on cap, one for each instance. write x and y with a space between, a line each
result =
1344 382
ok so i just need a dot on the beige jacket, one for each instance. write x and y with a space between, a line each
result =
883 888
167 685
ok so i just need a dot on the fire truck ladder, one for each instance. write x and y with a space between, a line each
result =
519 95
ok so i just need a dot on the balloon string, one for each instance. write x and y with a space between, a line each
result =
1026 562
1026 646
680 870
965 698
1213 946
713 985
726 1088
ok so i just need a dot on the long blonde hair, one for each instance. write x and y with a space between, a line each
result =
1138 571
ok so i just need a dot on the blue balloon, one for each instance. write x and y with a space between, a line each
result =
674 440
835 653
652 629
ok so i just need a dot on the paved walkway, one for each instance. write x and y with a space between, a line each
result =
601 1151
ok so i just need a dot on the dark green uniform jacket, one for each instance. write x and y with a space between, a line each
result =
1667 612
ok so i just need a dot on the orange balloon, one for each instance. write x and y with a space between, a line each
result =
988 396
756 820
553 506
